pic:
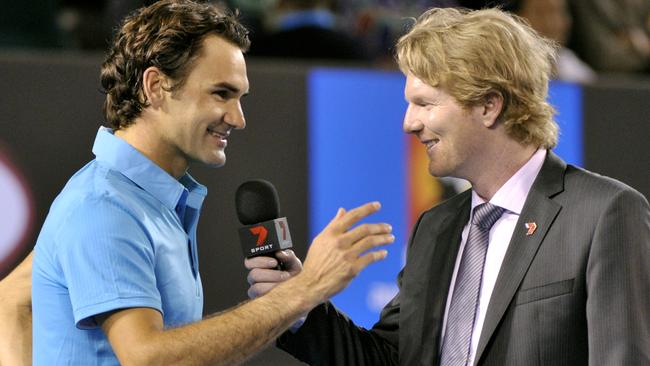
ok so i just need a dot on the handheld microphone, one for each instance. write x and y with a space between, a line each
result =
258 209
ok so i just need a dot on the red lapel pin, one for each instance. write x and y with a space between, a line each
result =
531 227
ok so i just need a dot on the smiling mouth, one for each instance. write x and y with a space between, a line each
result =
430 144
218 134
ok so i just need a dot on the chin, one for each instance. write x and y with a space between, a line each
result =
216 163
441 171
437 171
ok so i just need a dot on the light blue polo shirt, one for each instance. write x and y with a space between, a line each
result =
121 234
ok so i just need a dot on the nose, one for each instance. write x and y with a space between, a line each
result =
411 123
234 116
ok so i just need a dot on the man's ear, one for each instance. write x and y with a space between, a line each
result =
491 108
154 83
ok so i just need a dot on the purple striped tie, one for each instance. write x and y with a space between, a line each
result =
464 303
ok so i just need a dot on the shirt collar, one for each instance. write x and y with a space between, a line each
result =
125 159
512 195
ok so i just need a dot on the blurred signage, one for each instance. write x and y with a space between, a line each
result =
16 212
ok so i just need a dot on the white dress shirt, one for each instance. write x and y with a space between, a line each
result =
511 196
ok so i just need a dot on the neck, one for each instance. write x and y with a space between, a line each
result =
499 165
151 145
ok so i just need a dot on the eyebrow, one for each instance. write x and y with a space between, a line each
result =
230 87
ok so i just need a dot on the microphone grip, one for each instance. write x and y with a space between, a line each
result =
266 238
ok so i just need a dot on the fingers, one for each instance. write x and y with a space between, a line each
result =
358 213
344 220
370 242
258 275
340 252
340 212
263 275
365 230
263 280
370 258
289 261
260 262
260 289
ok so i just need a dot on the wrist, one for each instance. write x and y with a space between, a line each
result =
300 292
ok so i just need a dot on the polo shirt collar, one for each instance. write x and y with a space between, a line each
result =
131 163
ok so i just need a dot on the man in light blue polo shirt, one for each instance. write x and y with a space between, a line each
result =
115 276
137 218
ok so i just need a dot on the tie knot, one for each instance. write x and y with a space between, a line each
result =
486 214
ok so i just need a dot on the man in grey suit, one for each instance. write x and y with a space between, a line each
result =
540 263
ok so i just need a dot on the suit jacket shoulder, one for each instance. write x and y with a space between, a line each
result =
561 291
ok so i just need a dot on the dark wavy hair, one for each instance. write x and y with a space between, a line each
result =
168 35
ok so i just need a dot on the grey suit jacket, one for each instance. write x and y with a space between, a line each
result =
575 292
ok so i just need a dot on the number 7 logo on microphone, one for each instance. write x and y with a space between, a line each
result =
261 232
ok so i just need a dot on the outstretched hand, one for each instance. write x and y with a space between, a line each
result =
341 251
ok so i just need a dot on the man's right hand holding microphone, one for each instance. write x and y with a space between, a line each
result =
334 258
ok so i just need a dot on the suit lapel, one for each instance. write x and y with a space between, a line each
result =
433 261
540 209
444 260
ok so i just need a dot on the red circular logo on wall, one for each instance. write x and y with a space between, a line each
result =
16 212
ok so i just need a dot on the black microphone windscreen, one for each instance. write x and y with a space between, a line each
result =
256 201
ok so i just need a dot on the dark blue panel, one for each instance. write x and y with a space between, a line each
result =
567 100
357 154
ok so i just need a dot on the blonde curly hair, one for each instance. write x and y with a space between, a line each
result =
475 54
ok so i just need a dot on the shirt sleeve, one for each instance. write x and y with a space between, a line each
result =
107 260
